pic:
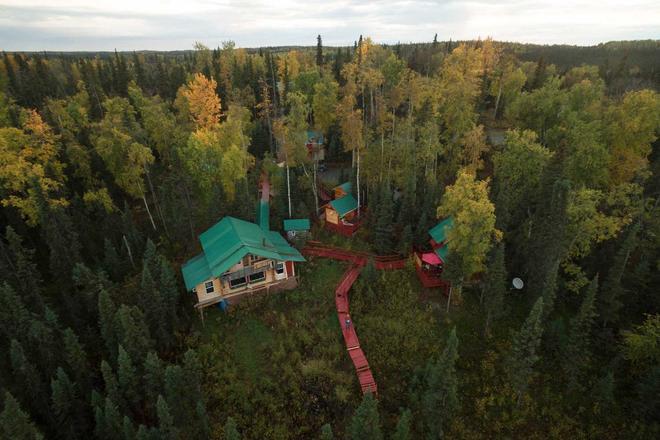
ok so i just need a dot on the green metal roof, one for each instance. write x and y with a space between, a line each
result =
195 271
347 187
316 135
296 224
263 213
442 253
227 242
439 232
344 205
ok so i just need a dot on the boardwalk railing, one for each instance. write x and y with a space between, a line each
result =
358 260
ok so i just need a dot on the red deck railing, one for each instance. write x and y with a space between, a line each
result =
358 260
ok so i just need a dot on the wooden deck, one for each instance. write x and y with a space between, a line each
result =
238 294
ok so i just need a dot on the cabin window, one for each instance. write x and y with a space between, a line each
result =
279 269
256 277
209 286
237 282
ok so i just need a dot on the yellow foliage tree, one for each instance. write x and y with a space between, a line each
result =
25 155
201 101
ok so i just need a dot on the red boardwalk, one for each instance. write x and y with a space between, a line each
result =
357 260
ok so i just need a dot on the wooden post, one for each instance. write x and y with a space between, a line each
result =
201 315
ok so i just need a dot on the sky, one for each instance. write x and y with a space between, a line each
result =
94 25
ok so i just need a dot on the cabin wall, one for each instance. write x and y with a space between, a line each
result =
331 216
222 289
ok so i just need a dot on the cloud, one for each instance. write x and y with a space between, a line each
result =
170 24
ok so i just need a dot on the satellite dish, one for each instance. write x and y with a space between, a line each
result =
517 283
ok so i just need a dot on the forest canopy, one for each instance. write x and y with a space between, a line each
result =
546 157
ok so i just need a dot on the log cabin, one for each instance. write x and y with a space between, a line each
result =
240 258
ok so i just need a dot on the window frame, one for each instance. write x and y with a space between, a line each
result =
209 285
236 286
262 278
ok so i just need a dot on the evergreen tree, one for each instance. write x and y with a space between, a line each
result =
15 424
523 355
132 332
112 389
319 51
326 432
24 372
577 353
406 240
365 423
548 239
111 261
494 286
14 317
154 372
383 230
402 431
128 430
26 274
127 378
76 361
230 431
439 399
107 311
66 406
166 427
60 235
610 298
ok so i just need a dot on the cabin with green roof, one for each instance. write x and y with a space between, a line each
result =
315 147
340 213
238 258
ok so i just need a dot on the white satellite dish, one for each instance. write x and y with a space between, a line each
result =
517 283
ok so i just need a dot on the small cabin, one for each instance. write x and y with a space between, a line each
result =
297 228
341 213
315 147
240 258
429 263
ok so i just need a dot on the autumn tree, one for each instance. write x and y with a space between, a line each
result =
473 233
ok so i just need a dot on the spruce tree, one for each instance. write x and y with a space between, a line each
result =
577 354
25 271
15 424
15 319
169 297
24 372
111 261
384 230
326 432
494 286
523 355
319 51
439 399
230 431
59 233
112 390
66 406
612 290
166 427
76 361
107 311
132 332
402 431
153 380
127 378
365 423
